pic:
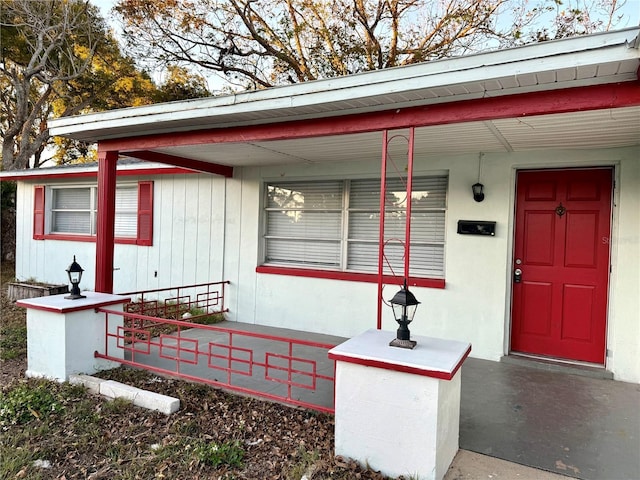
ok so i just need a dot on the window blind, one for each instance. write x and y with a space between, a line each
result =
126 221
74 210
304 223
336 224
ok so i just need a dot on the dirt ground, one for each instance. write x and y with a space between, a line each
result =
11 370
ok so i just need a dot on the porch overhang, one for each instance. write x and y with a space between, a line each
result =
580 92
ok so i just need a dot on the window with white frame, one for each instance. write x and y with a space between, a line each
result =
335 225
70 212
74 210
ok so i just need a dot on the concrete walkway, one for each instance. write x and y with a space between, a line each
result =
516 422
473 466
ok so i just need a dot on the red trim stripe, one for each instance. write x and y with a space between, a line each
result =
368 362
206 167
350 276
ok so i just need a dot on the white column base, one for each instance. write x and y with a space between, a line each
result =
62 335
393 411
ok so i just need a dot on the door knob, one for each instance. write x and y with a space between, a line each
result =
517 275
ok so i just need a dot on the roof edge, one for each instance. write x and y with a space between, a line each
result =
91 171
299 94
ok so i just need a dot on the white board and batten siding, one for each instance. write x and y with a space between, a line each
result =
188 239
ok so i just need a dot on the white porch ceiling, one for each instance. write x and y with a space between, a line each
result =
577 130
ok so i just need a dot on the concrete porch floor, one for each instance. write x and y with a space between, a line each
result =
571 425
560 422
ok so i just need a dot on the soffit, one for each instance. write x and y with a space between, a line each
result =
577 130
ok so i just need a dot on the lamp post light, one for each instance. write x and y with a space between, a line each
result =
75 275
404 306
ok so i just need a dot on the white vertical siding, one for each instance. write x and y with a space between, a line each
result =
241 254
203 226
231 259
188 240
46 261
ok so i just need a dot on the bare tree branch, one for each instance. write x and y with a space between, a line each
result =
268 42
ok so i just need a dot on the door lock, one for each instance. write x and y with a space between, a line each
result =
517 275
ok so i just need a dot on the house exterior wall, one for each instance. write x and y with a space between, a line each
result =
208 228
187 240
475 305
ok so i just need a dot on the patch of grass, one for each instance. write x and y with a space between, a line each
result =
13 341
128 375
193 450
229 453
88 434
13 327
200 316
188 427
27 401
17 462
214 435
30 414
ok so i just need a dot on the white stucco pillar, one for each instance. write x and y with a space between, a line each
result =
398 410
63 334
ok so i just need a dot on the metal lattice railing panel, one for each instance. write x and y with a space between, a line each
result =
290 370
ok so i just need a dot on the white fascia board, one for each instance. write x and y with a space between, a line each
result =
44 172
541 57
65 170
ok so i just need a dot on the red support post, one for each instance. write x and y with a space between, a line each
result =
383 197
383 191
105 240
407 235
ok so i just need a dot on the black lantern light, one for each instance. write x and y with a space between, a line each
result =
404 306
478 192
75 275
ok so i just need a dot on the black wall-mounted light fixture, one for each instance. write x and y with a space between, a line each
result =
478 188
74 273
404 306
478 191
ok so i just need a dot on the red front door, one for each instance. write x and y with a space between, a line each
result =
561 264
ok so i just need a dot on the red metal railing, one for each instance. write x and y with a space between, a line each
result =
294 371
198 300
